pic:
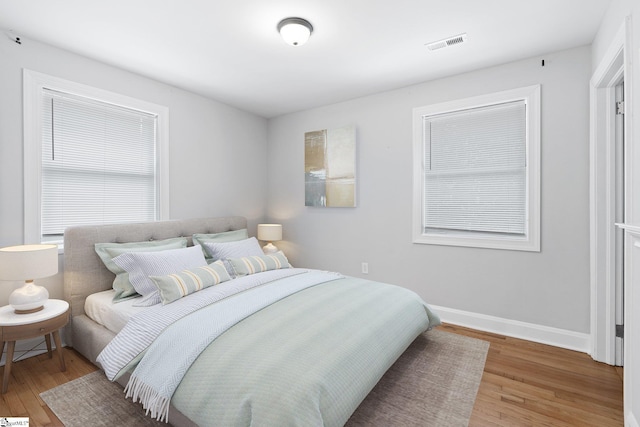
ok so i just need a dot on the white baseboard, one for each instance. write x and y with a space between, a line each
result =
631 420
513 328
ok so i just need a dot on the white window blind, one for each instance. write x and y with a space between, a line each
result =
475 171
98 163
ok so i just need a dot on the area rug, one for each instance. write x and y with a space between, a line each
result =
434 383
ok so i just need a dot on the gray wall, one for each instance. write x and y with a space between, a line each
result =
548 288
217 153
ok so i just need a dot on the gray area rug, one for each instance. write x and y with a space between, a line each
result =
434 383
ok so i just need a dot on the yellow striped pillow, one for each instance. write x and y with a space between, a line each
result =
172 287
259 263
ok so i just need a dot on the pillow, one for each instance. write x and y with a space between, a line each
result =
121 284
257 264
239 249
141 265
227 236
175 286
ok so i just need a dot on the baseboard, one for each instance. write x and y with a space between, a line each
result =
513 328
631 420
30 348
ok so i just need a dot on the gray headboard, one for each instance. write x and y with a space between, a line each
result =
84 272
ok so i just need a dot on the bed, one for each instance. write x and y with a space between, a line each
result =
274 346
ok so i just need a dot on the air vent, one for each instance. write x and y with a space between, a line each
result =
450 41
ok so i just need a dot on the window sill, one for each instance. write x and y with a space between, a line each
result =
468 240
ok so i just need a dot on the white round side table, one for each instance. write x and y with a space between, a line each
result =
14 327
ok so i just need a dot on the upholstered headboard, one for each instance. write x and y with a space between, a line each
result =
84 272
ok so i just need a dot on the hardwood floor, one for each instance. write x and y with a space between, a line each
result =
524 384
32 376
531 384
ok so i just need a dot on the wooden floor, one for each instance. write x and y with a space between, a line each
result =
32 376
524 384
530 384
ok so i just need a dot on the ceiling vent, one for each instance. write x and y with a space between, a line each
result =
450 41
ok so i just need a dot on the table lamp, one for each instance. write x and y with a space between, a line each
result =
28 262
269 233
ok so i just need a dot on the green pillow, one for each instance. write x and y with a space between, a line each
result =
174 286
227 236
107 251
258 264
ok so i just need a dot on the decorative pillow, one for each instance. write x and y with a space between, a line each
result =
257 264
177 285
141 265
107 251
227 236
239 249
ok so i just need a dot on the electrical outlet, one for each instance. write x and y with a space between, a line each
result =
365 268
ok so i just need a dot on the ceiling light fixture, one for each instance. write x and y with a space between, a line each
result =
450 41
295 31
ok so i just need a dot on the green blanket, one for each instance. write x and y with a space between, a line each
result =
307 360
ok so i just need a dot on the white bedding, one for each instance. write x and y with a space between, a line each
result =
100 308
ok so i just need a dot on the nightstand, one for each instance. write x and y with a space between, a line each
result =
14 327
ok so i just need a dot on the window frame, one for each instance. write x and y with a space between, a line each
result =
33 85
531 241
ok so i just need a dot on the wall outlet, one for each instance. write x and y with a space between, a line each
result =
365 268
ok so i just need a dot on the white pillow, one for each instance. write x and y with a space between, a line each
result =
141 265
238 249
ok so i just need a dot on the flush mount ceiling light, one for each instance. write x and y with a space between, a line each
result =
295 31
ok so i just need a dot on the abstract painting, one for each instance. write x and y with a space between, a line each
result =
330 167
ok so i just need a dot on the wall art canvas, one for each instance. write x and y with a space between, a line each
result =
330 167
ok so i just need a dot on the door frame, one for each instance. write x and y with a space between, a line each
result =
613 69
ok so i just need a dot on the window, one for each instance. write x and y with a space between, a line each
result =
476 171
91 157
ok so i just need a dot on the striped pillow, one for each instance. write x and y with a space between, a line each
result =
225 237
259 263
177 285
107 251
237 249
141 265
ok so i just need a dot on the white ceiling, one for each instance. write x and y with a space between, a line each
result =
229 50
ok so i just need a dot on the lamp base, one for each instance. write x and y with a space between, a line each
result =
269 248
28 298
33 310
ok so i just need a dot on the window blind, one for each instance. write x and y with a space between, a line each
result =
475 170
98 163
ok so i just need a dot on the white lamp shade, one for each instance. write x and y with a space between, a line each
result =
269 232
295 31
28 262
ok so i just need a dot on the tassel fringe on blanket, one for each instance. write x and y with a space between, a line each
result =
154 404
